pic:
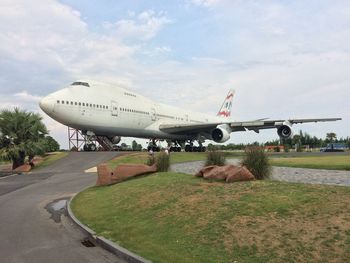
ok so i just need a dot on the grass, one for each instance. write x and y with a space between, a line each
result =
315 162
168 217
47 159
138 158
50 158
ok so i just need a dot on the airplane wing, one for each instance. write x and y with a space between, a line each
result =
255 125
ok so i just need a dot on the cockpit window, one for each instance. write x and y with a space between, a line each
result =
80 83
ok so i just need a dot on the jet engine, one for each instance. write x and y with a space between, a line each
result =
220 135
285 131
116 139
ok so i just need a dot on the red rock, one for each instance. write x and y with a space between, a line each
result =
23 168
229 173
107 176
240 174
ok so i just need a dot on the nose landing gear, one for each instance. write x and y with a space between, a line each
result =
89 147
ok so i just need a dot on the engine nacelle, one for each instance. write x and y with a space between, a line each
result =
285 131
220 135
116 139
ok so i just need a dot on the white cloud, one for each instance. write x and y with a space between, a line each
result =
205 3
26 97
280 63
144 27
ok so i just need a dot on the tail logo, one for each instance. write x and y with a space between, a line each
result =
225 110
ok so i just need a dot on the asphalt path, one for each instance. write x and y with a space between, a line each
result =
33 224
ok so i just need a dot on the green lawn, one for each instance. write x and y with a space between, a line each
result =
168 217
175 157
47 159
315 162
51 158
137 158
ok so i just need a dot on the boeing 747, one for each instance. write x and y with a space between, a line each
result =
112 112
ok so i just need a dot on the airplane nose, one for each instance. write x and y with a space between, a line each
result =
47 104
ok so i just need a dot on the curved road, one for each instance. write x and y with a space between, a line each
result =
32 228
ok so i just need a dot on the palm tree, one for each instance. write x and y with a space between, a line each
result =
21 134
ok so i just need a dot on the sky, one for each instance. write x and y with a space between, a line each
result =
285 59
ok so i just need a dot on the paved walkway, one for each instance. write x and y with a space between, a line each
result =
33 225
287 174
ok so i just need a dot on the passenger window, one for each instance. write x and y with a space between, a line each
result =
75 103
79 103
58 102
83 104
62 102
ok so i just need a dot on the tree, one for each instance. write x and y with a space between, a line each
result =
297 141
134 145
331 136
50 144
22 134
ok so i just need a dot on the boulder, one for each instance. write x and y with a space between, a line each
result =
241 173
23 168
229 173
107 176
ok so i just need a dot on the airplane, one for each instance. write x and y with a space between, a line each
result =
111 112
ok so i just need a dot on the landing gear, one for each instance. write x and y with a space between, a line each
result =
191 148
90 147
175 149
153 146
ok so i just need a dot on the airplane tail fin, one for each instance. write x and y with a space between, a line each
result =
225 110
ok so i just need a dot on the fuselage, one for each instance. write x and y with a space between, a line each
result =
114 111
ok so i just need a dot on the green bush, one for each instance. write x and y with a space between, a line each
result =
277 149
163 162
257 162
215 158
287 148
151 160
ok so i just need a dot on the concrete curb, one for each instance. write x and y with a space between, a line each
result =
106 243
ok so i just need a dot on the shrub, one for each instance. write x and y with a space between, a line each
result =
215 158
287 148
151 160
163 162
257 162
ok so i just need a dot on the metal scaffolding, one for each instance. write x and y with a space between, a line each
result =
77 141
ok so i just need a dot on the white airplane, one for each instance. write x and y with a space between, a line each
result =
111 112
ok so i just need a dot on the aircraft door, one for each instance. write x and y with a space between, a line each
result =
114 106
153 114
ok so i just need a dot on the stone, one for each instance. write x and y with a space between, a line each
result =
107 176
241 173
23 168
229 173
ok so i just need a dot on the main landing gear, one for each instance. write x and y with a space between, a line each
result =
188 147
175 146
152 145
191 148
